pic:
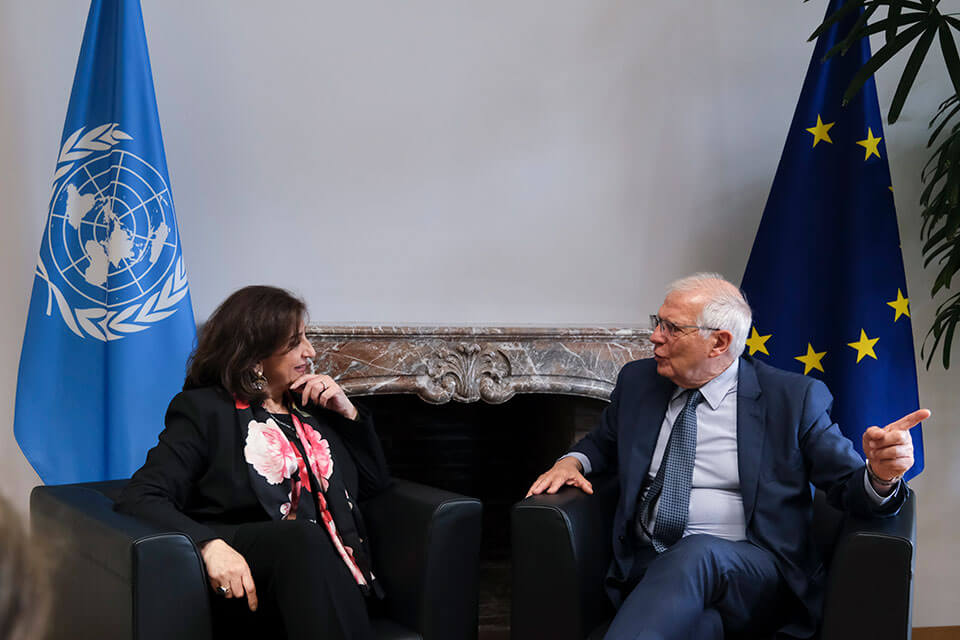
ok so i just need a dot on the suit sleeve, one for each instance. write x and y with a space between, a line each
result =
361 440
834 465
159 490
600 445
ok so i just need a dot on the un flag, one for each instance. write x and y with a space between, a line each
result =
110 322
825 276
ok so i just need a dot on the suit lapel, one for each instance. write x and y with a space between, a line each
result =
647 419
750 434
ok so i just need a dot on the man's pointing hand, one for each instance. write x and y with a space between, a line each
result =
889 450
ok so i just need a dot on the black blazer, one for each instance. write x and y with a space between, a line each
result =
196 480
786 440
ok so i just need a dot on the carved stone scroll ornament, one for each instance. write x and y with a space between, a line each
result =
466 373
468 364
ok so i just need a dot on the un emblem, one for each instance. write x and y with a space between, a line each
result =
110 255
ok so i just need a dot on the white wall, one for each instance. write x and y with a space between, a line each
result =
539 162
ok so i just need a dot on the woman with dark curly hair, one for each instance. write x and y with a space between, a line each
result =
261 463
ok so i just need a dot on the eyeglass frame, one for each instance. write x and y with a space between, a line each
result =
670 328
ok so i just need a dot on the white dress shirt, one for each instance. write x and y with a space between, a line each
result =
716 506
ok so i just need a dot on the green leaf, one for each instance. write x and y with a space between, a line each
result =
857 30
909 75
835 17
937 237
925 195
939 150
931 255
947 343
946 103
945 122
881 57
950 56
892 12
862 20
869 30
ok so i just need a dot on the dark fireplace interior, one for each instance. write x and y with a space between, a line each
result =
490 452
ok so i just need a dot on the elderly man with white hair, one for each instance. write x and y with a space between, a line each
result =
715 453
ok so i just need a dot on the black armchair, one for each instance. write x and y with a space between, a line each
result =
562 548
120 578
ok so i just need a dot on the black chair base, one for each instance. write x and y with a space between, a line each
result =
562 549
120 578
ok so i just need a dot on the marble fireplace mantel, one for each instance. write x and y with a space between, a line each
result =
467 364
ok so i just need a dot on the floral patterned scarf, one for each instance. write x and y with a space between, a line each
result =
293 474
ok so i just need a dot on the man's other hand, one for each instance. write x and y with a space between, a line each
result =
566 471
889 450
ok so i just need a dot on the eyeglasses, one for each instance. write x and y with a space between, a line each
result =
671 330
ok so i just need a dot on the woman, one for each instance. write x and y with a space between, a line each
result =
261 464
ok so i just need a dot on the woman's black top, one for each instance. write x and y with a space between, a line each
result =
220 463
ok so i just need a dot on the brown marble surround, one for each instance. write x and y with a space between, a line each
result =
467 364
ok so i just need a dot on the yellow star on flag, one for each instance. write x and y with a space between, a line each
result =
870 144
864 346
811 360
820 131
901 304
757 342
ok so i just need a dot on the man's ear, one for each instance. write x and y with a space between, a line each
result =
721 342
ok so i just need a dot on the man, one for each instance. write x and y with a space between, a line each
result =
715 454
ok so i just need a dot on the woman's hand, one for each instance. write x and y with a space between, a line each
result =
227 568
324 391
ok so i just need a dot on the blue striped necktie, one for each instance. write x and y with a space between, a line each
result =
673 479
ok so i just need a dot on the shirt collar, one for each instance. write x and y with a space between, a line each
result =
715 390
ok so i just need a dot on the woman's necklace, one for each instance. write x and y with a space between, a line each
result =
289 428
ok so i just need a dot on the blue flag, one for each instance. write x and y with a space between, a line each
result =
825 276
110 323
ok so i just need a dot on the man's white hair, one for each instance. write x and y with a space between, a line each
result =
725 307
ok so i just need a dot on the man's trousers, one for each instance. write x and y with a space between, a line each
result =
702 588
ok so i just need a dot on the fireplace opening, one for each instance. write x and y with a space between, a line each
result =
488 451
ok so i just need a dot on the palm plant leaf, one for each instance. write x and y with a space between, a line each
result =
881 57
950 57
874 27
910 73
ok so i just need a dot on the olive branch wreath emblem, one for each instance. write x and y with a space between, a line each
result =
99 322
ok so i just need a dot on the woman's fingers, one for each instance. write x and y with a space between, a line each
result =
251 591
311 388
328 394
236 587
226 568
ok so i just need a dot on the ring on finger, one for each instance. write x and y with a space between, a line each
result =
224 590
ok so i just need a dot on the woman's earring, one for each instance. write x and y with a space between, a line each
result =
259 380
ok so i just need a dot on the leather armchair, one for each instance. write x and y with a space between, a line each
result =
120 578
562 548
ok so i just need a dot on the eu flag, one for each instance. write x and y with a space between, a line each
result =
110 323
825 276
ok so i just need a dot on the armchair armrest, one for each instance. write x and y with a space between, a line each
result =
101 557
562 547
426 552
870 586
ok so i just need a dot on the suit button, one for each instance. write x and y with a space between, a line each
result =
621 538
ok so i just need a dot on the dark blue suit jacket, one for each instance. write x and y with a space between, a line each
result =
785 440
